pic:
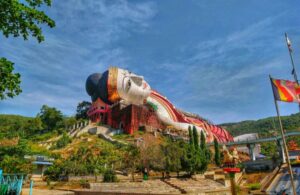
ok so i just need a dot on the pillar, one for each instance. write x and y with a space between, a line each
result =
281 150
251 151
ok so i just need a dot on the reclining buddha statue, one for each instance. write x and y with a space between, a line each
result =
116 84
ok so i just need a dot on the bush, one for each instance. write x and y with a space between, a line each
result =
84 183
63 141
254 186
109 176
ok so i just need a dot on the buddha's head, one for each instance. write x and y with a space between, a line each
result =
117 84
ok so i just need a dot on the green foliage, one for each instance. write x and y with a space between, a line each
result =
202 141
18 150
269 148
109 176
122 136
30 128
34 126
173 153
43 136
195 159
87 160
217 153
82 108
155 158
15 164
12 125
63 141
69 121
264 127
205 153
254 186
195 138
191 139
131 159
21 18
9 82
51 117
12 158
84 183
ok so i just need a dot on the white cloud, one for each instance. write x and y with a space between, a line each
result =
83 42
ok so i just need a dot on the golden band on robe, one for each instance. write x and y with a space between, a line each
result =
112 81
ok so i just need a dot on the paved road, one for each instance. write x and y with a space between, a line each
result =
25 191
284 183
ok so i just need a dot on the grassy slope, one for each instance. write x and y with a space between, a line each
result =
7 120
265 127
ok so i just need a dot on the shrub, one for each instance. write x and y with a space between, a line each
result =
84 183
254 186
109 176
63 141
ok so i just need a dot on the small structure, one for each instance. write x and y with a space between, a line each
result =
41 162
98 111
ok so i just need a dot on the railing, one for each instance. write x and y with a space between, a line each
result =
11 183
259 140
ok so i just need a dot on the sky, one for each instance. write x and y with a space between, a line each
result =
207 56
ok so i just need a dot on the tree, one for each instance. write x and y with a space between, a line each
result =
69 121
33 126
173 153
202 141
132 159
191 139
51 117
205 153
195 138
217 152
9 82
19 18
82 108
12 158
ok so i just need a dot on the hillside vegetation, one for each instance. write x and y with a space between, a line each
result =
264 127
89 154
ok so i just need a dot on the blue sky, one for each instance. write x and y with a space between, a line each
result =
208 57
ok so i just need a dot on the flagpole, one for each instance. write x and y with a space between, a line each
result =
294 72
284 143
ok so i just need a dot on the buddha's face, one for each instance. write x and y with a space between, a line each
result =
117 84
128 86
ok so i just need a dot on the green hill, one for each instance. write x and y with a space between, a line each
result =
264 127
10 125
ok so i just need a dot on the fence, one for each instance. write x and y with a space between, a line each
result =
11 183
